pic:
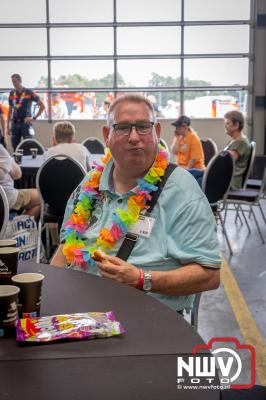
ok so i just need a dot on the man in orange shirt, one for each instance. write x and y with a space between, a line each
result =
186 145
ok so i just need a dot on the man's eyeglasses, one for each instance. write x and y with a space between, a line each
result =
142 128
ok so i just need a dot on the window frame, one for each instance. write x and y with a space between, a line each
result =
115 57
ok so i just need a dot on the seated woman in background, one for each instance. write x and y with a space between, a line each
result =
239 146
23 199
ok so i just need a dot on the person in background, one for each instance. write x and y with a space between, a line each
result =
19 120
63 141
77 112
239 146
59 107
103 110
3 135
187 148
23 199
178 254
171 110
155 105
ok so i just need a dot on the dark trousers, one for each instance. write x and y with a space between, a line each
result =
19 130
198 174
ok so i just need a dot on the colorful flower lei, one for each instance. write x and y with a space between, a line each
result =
75 249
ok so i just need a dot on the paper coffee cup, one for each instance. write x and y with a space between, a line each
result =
8 243
8 264
29 299
18 158
34 152
8 309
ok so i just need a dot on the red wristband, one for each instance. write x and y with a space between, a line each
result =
141 279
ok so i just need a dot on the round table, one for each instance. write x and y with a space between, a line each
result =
140 364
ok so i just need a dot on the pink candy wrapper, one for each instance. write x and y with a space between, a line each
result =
88 325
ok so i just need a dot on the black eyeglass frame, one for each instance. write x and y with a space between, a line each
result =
136 126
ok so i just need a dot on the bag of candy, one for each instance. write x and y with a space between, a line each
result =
88 325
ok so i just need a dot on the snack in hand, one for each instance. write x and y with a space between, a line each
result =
98 256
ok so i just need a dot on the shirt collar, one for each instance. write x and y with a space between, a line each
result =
107 184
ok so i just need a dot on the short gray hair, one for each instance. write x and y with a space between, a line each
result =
133 98
236 117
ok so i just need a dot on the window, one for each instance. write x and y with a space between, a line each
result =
149 40
148 10
34 42
17 11
143 72
182 54
81 41
207 10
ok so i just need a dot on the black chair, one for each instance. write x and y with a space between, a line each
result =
94 145
4 212
57 178
259 165
164 144
232 193
249 165
209 149
216 183
251 198
194 316
28 144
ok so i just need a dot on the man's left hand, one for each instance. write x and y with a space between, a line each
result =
119 270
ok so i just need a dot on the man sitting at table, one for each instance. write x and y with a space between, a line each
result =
187 148
18 199
176 253
63 141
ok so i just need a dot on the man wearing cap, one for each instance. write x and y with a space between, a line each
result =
187 146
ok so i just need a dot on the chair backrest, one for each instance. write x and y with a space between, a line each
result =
57 178
209 149
4 212
194 317
28 144
218 176
249 164
258 166
94 145
164 144
263 184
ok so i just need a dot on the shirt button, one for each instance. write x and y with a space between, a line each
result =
120 200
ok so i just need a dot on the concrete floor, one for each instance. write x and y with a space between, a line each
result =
248 265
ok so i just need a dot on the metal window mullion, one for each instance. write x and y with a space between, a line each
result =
251 69
124 24
49 77
140 88
182 59
126 56
115 79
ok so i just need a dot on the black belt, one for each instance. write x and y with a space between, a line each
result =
18 120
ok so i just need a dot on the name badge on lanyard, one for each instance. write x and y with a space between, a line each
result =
143 227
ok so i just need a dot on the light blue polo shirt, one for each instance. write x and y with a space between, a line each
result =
184 231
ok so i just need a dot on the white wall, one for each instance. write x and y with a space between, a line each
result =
213 128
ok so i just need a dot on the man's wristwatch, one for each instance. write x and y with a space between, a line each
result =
147 284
